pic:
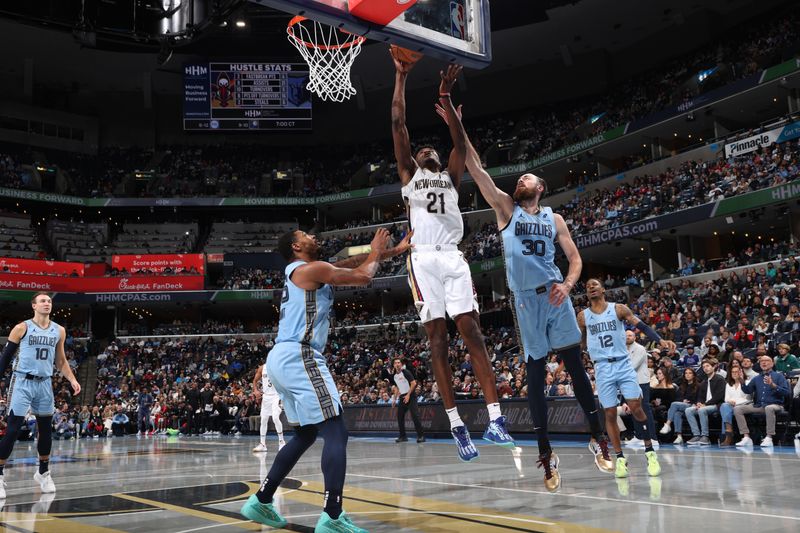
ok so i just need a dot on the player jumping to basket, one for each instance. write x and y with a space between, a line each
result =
439 275
540 301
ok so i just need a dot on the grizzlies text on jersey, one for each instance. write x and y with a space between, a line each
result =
529 249
37 349
605 334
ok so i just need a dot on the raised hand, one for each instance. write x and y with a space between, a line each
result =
405 244
400 66
442 113
449 78
381 240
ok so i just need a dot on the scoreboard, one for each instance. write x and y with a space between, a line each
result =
246 96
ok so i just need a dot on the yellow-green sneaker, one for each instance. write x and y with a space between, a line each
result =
622 468
653 468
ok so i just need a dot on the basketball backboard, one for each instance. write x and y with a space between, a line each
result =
457 31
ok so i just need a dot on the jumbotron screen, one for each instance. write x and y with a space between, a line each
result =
246 96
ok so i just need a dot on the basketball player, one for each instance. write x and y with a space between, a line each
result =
602 328
270 407
540 300
439 276
40 342
299 373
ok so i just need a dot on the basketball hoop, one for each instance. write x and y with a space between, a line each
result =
330 53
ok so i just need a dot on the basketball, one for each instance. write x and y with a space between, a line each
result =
404 55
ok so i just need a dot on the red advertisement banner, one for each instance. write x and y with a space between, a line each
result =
157 263
12 265
24 282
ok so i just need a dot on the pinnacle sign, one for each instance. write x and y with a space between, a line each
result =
754 142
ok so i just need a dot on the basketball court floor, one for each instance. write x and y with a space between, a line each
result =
199 484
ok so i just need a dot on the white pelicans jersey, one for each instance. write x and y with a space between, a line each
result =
433 212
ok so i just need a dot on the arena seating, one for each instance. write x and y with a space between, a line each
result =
18 238
173 238
245 237
77 241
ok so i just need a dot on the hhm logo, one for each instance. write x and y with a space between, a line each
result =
196 70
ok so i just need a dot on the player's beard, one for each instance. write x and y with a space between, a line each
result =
522 194
432 164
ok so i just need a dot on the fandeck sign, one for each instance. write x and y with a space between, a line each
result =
157 263
22 282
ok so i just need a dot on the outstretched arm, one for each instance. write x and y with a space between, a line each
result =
406 166
625 314
455 164
388 253
501 202
310 276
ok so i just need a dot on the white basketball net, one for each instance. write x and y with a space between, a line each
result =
330 53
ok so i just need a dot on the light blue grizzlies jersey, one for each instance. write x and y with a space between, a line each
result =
529 248
305 315
605 334
37 349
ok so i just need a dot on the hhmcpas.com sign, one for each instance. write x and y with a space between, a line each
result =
753 143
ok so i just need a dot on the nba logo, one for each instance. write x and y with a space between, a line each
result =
458 24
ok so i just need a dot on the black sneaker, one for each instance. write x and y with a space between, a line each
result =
421 439
401 439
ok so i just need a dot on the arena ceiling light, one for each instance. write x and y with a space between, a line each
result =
241 24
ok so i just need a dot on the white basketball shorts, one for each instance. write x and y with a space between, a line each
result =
440 282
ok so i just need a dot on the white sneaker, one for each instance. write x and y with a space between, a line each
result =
45 481
797 437
2 488
634 443
746 441
260 448
767 442
138 433
666 429
678 440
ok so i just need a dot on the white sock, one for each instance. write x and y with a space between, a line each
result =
494 411
280 437
455 420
